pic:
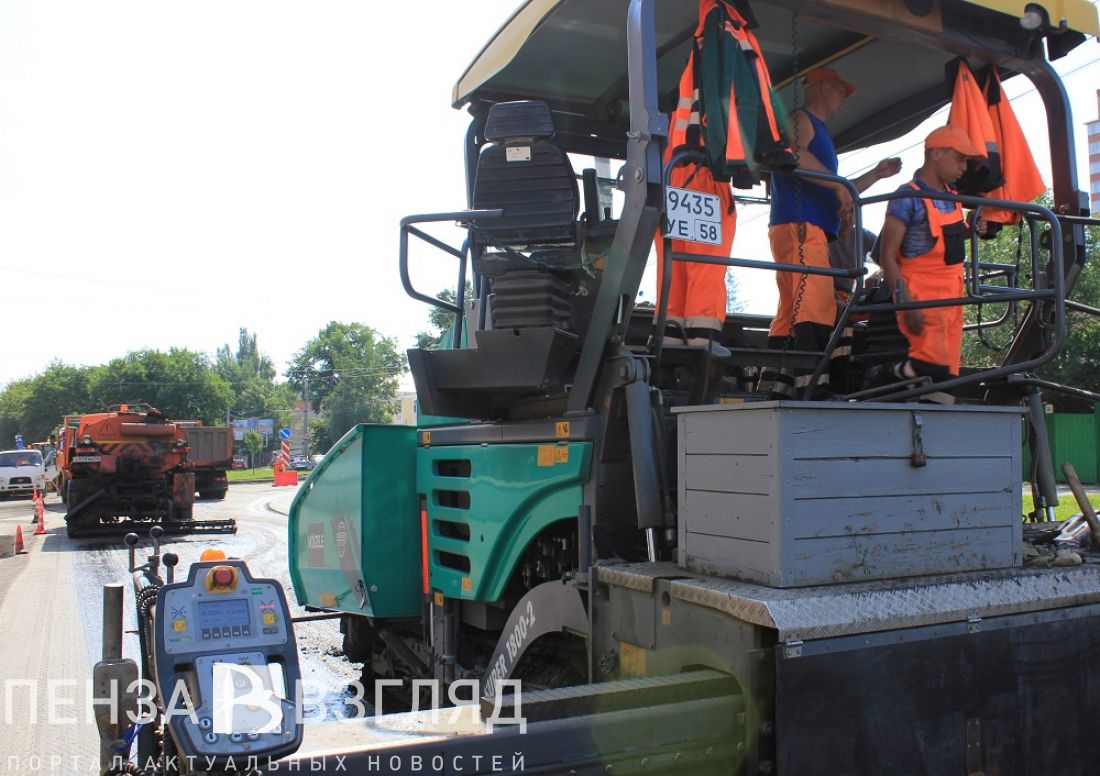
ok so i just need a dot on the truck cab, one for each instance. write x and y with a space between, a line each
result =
21 472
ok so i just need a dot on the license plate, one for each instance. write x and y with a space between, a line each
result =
693 217
86 458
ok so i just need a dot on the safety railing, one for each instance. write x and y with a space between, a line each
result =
979 290
464 218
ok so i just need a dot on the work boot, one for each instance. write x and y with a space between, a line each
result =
707 338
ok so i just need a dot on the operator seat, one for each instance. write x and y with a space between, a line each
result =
530 253
532 256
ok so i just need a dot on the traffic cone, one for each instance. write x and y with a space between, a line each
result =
37 506
40 528
19 548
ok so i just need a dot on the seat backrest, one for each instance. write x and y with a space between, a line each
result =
527 177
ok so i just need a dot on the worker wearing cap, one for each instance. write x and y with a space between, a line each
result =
923 250
805 217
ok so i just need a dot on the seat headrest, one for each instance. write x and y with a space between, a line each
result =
520 119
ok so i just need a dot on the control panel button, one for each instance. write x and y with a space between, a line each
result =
221 579
270 618
179 626
206 633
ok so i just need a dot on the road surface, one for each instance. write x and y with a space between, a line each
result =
51 624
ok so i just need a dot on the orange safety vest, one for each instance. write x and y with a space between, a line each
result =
929 276
970 112
706 90
1023 182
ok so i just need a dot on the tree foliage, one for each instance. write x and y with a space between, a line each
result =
440 320
353 374
1078 363
183 384
180 383
252 377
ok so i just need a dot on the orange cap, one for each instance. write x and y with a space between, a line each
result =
822 74
954 138
212 553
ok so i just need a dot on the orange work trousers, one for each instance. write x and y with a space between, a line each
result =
697 292
816 303
940 340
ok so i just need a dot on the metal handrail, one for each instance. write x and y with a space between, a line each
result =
465 218
1057 294
980 293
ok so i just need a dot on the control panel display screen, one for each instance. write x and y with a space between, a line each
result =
224 615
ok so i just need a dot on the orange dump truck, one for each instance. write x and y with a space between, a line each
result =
124 467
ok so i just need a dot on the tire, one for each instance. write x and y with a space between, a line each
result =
184 515
219 494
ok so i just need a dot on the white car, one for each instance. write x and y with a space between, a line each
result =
20 472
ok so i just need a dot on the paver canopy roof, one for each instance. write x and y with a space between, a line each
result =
572 54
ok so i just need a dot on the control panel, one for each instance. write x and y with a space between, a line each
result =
227 665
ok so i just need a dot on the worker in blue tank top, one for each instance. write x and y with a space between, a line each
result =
805 217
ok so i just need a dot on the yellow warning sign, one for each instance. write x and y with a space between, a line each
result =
546 455
425 438
467 585
326 599
631 659
561 429
437 599
561 455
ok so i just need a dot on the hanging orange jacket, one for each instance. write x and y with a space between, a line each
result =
970 112
727 107
930 276
1023 182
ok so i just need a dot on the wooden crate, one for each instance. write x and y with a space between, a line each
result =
789 494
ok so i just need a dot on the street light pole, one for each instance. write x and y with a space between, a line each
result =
305 421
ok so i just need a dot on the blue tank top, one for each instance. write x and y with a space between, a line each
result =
819 204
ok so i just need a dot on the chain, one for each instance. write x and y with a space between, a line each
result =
801 225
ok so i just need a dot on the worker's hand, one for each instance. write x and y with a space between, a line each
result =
845 211
914 319
887 168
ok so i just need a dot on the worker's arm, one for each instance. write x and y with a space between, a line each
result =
884 169
893 232
801 135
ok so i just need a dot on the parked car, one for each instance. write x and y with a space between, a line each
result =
301 462
239 462
20 472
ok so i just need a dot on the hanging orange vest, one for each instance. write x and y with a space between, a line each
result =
1023 182
970 112
732 59
929 276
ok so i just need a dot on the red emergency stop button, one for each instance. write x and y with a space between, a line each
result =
221 579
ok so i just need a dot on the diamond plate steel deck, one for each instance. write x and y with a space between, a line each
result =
868 607
639 576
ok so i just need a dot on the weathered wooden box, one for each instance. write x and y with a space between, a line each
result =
789 494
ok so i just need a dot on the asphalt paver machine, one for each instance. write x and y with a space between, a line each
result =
686 577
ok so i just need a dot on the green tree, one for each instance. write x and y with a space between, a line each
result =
440 320
34 406
254 443
180 383
353 374
251 374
